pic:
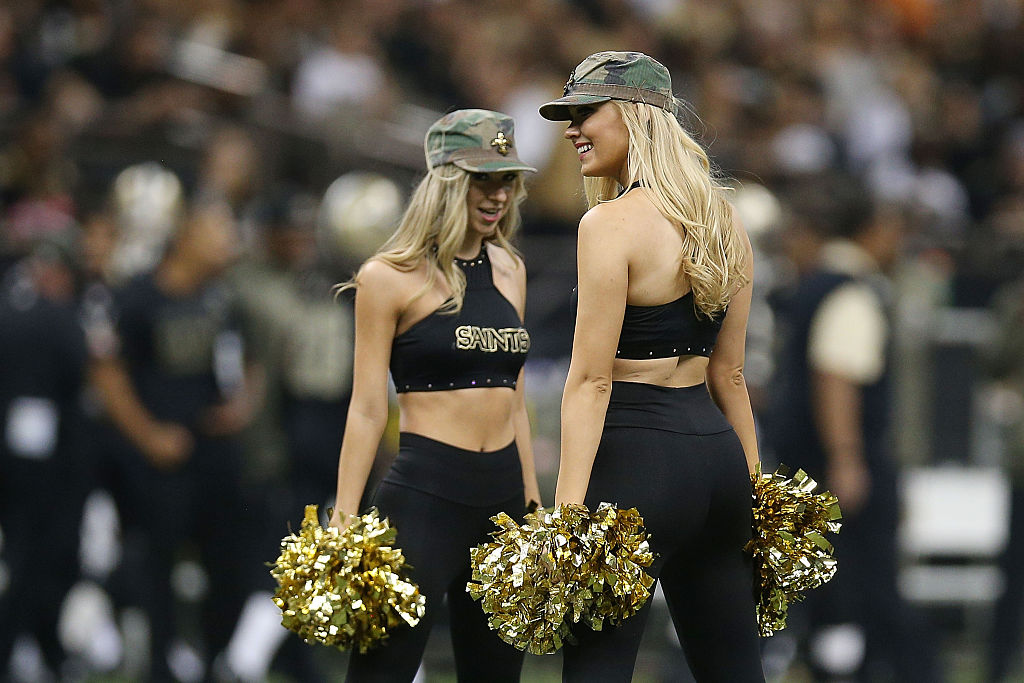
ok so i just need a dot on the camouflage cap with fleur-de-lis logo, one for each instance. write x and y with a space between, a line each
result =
603 76
475 140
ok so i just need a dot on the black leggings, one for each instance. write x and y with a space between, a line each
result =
440 498
670 453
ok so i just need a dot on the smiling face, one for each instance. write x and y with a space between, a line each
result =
601 140
488 199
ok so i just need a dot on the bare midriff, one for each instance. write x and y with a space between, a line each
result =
477 419
681 371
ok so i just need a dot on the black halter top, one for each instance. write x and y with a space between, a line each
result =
483 345
666 330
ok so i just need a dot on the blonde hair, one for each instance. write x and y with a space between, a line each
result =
678 175
434 227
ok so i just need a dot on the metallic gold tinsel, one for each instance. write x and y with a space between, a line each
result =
344 588
789 546
562 565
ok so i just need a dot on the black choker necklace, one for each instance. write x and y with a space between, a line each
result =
476 260
638 183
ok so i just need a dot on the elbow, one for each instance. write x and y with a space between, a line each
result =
371 413
598 384
726 379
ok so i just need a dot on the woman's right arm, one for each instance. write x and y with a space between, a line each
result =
377 307
602 277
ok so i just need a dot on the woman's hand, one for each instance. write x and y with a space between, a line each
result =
532 497
570 499
340 520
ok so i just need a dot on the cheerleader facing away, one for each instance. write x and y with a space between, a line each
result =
655 413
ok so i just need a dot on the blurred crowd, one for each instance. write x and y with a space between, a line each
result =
181 182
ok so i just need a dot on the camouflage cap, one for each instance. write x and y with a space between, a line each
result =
475 140
603 76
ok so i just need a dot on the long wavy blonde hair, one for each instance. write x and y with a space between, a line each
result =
434 227
677 172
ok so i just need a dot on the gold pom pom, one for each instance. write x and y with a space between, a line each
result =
344 588
789 547
562 566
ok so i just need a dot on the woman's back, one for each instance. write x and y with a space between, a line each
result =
654 259
660 264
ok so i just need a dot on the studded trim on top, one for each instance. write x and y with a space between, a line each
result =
489 352
478 260
664 352
477 269
462 384
470 264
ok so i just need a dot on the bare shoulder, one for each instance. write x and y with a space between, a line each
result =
385 282
615 222
503 260
604 221
378 273
502 257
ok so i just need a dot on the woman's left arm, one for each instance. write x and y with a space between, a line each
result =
524 444
725 369
521 417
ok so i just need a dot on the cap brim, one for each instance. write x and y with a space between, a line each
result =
493 166
558 110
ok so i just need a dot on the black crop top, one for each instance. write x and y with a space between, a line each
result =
484 345
665 330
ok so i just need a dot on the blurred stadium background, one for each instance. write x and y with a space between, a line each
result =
116 116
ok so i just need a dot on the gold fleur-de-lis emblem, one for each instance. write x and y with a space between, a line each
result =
569 84
501 142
